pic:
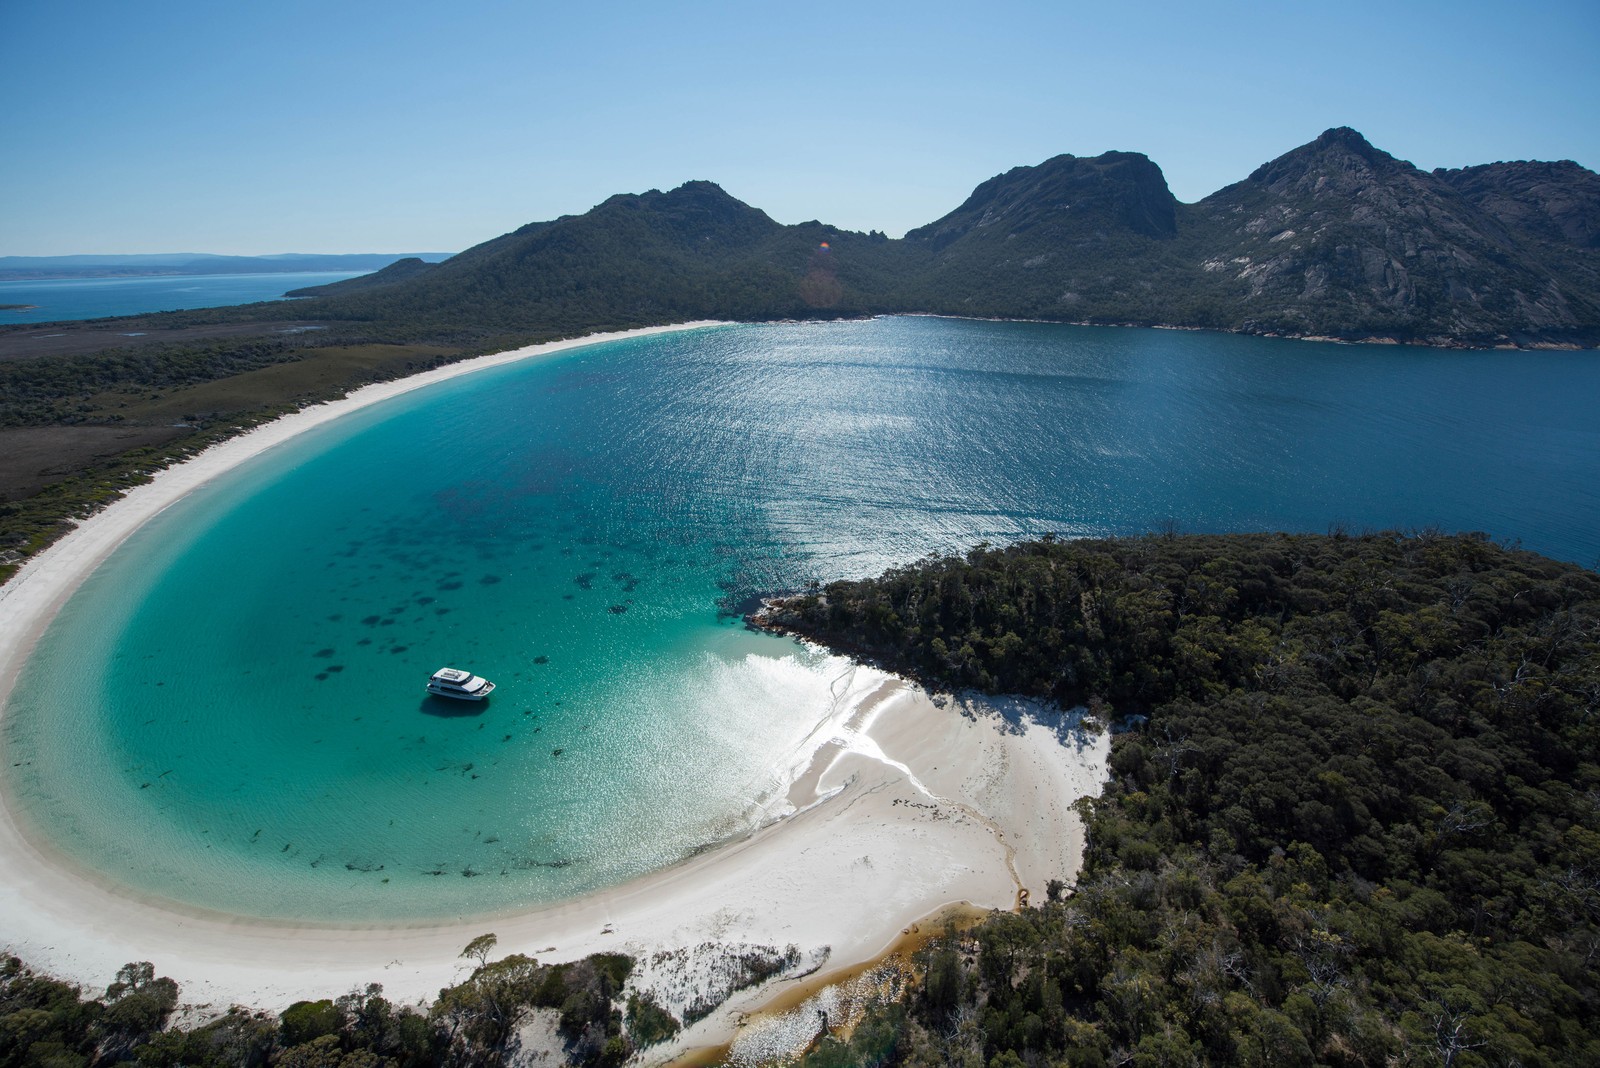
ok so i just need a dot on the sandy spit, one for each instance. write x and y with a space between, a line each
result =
913 803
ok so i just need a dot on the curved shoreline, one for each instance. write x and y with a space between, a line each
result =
911 805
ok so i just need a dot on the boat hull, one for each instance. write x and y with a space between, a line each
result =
461 695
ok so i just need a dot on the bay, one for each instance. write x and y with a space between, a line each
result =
229 713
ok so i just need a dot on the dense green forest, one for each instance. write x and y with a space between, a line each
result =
1352 815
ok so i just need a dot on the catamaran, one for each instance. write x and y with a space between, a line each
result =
462 685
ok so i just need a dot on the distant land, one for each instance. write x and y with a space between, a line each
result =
183 263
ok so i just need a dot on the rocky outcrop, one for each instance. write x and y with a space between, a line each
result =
1338 237
1554 202
1062 198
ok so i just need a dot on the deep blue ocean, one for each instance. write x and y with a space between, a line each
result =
60 299
245 727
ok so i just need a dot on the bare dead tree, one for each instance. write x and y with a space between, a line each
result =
1451 1037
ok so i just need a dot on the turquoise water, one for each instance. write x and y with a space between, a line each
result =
230 712
61 299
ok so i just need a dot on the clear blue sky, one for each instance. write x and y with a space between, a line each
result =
290 126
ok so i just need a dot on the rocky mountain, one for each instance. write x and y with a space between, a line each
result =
1067 196
1552 207
1339 237
1558 203
1335 238
1068 239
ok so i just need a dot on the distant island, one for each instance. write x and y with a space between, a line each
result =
19 268
18 307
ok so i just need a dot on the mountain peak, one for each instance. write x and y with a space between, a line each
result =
1112 191
1344 137
700 187
695 191
698 209
1335 237
1338 150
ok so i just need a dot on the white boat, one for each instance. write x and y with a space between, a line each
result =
462 685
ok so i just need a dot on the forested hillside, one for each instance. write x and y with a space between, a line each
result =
1353 811
399 271
693 252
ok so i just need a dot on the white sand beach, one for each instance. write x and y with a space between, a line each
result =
913 803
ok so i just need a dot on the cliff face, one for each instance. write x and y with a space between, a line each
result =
1558 203
1334 238
1061 198
1071 238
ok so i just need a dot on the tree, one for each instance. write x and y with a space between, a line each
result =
483 1012
307 1020
136 1005
480 948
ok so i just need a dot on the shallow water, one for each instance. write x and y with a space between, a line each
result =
230 711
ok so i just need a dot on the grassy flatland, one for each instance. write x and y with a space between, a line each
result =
319 375
33 457
100 335
76 432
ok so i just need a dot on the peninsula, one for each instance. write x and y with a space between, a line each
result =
1349 821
